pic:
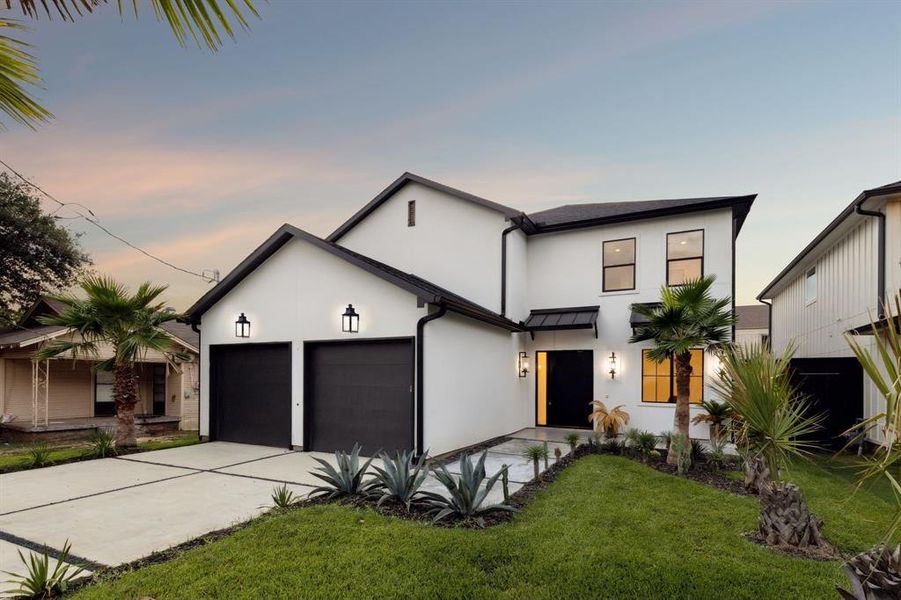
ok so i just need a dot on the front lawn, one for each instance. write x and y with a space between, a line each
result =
607 528
16 457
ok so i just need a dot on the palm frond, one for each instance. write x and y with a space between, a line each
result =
18 69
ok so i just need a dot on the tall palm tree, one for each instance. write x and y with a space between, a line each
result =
686 318
111 319
206 22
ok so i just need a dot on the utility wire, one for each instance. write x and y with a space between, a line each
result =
93 220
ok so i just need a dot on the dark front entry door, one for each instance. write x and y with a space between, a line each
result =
359 392
250 394
834 387
159 390
570 387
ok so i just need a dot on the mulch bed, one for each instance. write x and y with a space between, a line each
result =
824 553
702 473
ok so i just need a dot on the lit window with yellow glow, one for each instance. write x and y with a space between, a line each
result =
658 380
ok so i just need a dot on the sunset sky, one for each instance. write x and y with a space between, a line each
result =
198 156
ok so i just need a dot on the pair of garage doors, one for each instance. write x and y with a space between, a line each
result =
354 392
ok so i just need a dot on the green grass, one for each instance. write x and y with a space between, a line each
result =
16 457
608 527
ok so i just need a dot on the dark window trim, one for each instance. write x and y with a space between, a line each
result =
411 213
669 260
672 379
604 267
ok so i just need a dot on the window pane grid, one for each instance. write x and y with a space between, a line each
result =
684 256
619 265
658 381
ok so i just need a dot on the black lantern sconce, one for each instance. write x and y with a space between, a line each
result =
612 361
242 327
523 364
350 320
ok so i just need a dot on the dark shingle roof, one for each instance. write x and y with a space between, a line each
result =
752 316
13 338
183 332
576 215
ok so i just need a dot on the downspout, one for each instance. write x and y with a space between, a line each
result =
196 330
769 326
504 233
420 372
880 272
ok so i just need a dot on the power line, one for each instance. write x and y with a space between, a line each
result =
93 220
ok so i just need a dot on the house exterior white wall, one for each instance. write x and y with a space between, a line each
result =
455 244
472 389
517 276
750 337
298 295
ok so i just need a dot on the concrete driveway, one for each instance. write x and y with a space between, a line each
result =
116 510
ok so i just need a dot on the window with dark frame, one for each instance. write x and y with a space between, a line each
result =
684 256
810 285
619 265
658 380
411 213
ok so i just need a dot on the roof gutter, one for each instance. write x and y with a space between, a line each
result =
420 373
880 269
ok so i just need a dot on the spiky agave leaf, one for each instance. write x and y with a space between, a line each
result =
346 479
39 581
466 493
399 478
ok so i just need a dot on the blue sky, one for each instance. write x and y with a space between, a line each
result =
199 156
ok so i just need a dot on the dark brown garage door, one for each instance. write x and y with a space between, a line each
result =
359 392
250 394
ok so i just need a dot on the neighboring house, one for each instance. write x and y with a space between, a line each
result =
62 397
752 326
434 319
835 285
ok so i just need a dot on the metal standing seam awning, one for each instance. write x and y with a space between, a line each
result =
556 319
637 319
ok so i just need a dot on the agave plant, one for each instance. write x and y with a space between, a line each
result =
40 581
283 497
346 479
466 493
608 421
39 456
536 453
103 443
399 478
717 414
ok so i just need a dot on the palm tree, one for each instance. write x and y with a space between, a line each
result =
204 21
772 426
686 318
716 413
112 319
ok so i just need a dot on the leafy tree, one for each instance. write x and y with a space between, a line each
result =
687 317
111 319
36 254
203 21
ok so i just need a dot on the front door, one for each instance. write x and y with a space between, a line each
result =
565 387
159 390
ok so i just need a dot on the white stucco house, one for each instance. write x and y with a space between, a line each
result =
835 285
434 319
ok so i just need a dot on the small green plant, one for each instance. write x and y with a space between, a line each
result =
399 478
644 443
717 457
699 452
573 440
667 438
612 446
466 494
103 444
536 453
681 446
40 581
346 480
39 456
282 497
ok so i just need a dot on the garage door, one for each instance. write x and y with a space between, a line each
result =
250 394
359 392
834 387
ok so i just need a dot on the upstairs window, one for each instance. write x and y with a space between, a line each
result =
411 213
658 380
619 265
810 285
684 256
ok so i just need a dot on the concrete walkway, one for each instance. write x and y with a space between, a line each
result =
116 510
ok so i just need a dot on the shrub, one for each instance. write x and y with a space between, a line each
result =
103 444
39 456
612 446
399 478
644 443
535 453
667 438
573 440
282 497
699 452
346 480
717 414
681 446
466 495
609 421
717 457
40 581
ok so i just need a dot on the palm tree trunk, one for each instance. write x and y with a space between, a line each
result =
683 389
125 392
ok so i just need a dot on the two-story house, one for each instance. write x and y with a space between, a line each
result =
433 319
834 286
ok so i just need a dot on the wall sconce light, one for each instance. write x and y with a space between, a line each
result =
242 327
523 364
612 361
350 320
